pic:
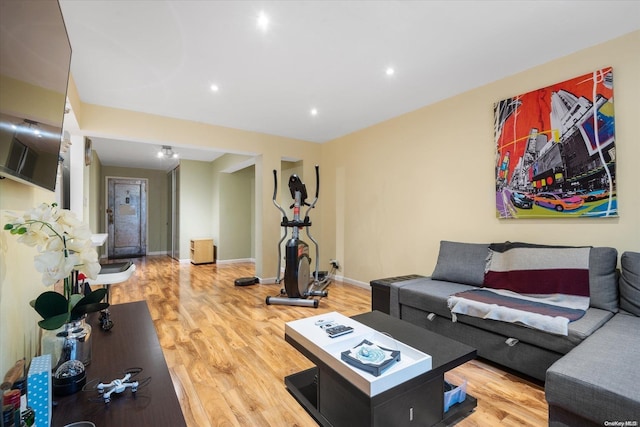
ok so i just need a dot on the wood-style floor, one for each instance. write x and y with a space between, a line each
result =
227 356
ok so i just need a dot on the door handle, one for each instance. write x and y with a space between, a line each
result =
110 213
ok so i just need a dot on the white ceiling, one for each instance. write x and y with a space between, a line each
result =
161 57
128 154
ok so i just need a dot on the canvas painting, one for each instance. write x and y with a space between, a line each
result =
555 150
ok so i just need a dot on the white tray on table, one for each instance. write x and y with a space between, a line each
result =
315 339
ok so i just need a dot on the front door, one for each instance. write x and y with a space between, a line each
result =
127 217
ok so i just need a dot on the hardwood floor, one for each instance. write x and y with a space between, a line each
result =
227 356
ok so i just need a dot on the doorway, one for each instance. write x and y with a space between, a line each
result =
126 217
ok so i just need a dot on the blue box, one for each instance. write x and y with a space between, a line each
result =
454 393
39 389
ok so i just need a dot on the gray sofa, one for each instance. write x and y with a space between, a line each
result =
591 374
598 382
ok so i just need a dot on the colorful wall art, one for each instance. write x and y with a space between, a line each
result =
555 150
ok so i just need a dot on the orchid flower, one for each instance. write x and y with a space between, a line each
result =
64 246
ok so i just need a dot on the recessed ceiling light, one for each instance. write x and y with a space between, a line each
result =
390 71
214 88
263 21
314 111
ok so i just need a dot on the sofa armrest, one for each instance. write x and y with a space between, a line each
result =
380 291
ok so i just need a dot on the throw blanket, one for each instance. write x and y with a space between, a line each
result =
529 269
541 287
553 315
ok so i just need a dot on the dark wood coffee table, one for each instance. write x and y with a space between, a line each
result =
332 400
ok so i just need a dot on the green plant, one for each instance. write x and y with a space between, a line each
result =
64 251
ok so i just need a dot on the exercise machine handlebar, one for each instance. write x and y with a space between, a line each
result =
295 184
313 204
275 194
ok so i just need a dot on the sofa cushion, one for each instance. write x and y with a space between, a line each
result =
461 262
603 280
431 296
578 331
630 282
597 379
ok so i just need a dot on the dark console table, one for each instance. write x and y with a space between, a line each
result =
333 401
132 343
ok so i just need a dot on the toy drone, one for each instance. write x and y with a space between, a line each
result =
116 386
120 385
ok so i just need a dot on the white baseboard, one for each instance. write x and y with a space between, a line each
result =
364 285
357 283
235 261
272 280
106 256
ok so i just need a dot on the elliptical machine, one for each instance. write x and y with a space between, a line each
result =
299 286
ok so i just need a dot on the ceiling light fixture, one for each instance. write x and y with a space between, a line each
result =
214 88
263 21
166 152
29 127
390 71
314 112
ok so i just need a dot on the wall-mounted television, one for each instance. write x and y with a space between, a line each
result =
35 56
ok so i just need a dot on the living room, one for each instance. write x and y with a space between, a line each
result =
390 192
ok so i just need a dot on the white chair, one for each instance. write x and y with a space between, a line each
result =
112 274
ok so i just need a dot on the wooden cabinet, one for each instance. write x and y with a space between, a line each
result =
202 251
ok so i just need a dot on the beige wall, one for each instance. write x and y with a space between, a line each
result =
19 282
236 200
195 203
95 199
232 200
394 190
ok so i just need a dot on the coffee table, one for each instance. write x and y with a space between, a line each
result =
334 396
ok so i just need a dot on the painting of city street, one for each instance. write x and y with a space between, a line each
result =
555 151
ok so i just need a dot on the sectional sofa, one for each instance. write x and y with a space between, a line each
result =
590 369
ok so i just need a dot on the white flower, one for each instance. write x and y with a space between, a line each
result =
87 258
82 232
64 245
53 244
54 266
43 213
35 236
14 218
67 218
64 242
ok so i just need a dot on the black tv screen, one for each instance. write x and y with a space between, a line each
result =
35 56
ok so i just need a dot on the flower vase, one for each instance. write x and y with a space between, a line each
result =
72 341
